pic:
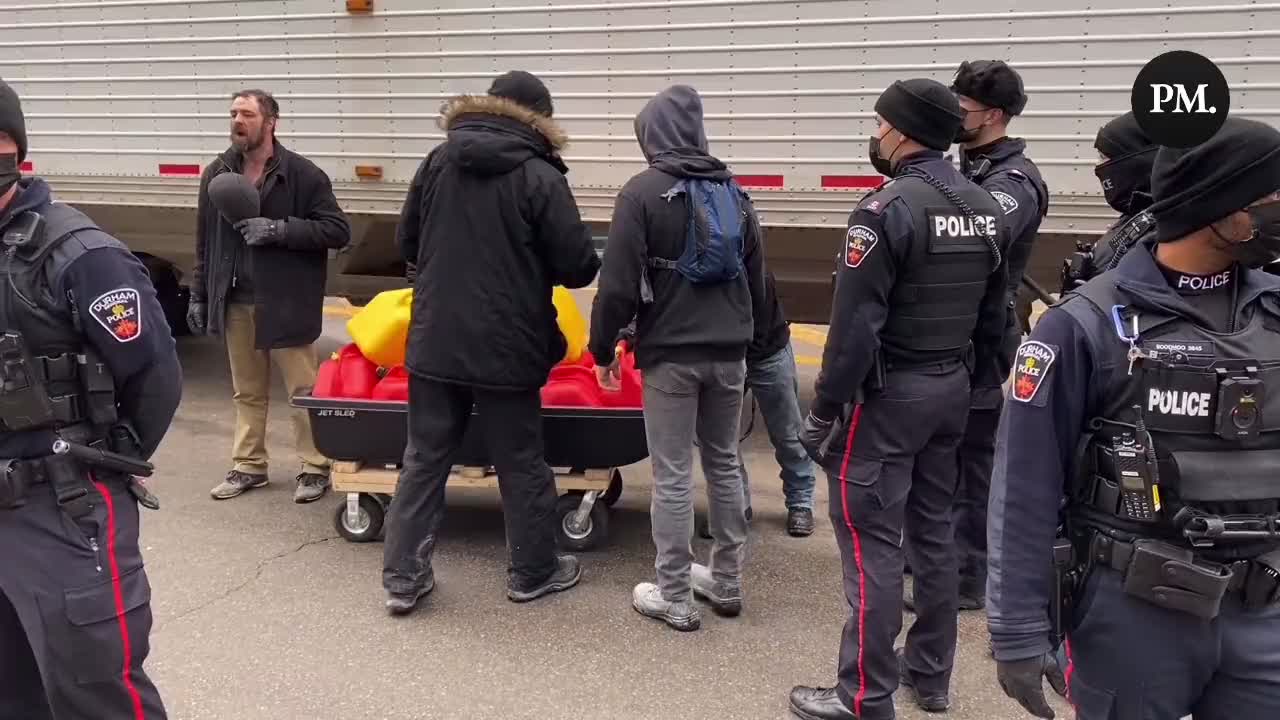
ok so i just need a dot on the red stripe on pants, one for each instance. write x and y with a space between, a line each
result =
1071 669
127 672
857 558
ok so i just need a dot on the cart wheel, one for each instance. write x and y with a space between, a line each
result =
593 531
614 492
367 524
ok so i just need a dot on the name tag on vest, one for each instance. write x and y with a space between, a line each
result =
951 232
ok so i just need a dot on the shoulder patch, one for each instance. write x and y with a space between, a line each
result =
120 312
859 243
1008 203
1030 368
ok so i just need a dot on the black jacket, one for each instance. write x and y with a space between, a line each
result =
288 280
684 322
772 331
491 225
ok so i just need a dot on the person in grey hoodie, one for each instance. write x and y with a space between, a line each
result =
690 343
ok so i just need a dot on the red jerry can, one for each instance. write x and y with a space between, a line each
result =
571 386
328 384
631 394
357 375
394 386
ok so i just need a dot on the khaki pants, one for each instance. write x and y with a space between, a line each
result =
251 380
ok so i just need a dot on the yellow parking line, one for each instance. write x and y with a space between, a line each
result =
809 360
809 335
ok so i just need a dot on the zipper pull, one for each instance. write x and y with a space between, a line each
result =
93 543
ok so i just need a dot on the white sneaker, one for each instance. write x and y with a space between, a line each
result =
725 600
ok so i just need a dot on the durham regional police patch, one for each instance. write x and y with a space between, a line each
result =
120 312
1030 368
858 244
1007 202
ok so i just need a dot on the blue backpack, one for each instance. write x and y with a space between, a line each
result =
716 233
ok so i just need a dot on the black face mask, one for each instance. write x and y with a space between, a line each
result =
10 172
967 135
882 166
1125 181
1263 247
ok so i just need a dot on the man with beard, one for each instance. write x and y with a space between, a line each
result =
490 226
1126 156
260 283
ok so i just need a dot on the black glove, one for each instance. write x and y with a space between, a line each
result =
816 436
1022 681
261 231
197 317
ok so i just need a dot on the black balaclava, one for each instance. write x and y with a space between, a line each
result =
1126 174
13 124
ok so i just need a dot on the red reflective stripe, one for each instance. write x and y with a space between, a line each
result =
858 182
27 167
857 558
171 169
1071 669
127 673
760 181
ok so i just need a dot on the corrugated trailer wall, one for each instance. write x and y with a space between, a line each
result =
118 91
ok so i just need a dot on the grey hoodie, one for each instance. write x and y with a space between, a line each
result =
684 323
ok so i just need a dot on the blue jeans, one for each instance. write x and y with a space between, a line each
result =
774 385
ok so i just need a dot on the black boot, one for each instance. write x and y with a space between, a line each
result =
812 703
928 703
799 522
405 603
568 573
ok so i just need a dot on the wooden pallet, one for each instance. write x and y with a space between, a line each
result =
354 477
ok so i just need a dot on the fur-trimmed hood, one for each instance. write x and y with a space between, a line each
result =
462 105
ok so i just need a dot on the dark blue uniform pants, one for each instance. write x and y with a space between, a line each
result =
973 488
895 468
1131 660
75 613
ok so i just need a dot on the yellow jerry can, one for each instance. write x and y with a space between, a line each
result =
381 328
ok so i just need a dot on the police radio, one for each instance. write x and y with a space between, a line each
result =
1139 497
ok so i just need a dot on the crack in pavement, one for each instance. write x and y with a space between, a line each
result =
257 573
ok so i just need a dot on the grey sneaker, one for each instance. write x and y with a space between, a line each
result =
398 604
568 573
237 483
725 600
311 487
648 601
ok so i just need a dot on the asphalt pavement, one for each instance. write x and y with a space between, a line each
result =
262 611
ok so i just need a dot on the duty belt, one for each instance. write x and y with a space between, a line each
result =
1118 555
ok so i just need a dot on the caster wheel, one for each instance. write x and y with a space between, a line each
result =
366 526
593 531
614 492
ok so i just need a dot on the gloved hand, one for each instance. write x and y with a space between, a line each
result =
261 231
197 317
1022 681
816 436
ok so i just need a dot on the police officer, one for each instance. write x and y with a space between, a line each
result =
991 95
1126 156
89 360
920 290
1150 399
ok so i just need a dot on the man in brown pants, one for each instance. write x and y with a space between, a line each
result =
260 282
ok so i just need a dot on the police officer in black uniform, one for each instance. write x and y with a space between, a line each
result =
1127 155
89 366
919 294
991 94
1150 399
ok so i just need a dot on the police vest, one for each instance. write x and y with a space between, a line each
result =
1119 240
933 307
1206 403
1020 247
42 343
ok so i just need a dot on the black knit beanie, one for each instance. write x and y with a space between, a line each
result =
12 121
1122 136
924 110
1197 186
524 89
992 83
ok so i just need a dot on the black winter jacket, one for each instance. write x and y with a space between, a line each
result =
288 279
772 331
685 322
491 225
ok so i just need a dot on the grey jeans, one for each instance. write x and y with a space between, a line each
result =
681 402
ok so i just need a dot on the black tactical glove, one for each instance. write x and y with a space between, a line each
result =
816 436
1022 681
197 317
261 231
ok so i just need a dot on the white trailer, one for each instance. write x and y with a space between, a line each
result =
127 100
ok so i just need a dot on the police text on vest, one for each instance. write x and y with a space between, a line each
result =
962 227
1176 402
